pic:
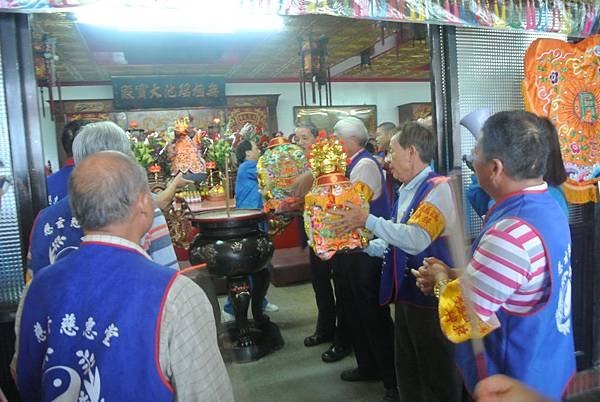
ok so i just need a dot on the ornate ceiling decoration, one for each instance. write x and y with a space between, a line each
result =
89 54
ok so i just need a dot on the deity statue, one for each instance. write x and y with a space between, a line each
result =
186 157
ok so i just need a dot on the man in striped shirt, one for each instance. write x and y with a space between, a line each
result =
518 280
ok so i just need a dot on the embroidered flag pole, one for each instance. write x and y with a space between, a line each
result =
457 244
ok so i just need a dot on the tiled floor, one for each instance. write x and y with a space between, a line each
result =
296 373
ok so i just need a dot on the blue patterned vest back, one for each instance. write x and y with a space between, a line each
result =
55 234
58 184
397 283
90 328
535 348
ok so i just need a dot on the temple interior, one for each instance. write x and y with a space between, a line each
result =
190 96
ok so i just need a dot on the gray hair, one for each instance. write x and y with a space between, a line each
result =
519 140
101 136
352 127
107 195
417 135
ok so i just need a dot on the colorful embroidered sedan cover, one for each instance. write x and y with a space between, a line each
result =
277 169
562 82
331 191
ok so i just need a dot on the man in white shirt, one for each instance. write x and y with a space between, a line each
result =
423 216
357 276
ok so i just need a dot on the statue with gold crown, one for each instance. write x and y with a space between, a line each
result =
277 169
186 156
331 191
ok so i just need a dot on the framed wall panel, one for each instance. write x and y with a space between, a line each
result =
324 118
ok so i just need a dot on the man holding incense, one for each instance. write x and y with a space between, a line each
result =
516 289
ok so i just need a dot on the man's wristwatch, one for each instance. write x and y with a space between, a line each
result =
439 286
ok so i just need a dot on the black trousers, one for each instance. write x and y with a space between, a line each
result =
424 358
357 278
329 319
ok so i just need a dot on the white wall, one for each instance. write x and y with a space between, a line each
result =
386 95
47 124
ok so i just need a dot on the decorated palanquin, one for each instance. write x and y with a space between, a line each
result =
277 168
562 82
186 151
332 190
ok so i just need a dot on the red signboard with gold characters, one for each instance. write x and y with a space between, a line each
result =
562 82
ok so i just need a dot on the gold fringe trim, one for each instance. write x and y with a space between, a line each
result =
581 194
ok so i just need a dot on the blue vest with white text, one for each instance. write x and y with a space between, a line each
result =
380 206
89 328
55 233
397 283
58 184
537 347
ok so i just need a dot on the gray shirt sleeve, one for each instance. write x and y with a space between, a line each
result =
189 356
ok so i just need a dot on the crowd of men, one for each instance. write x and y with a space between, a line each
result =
104 316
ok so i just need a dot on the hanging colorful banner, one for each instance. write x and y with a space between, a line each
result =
581 18
575 18
167 92
185 6
31 6
562 82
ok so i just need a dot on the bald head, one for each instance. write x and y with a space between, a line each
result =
104 188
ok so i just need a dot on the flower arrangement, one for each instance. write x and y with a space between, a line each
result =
150 149
218 152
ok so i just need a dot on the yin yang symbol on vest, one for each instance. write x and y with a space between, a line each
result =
65 383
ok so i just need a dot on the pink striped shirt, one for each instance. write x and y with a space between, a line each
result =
508 270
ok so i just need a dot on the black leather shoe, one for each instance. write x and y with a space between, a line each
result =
335 353
316 339
391 395
354 375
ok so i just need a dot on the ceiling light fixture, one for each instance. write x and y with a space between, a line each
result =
204 16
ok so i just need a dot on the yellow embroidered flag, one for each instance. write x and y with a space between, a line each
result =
562 82
454 319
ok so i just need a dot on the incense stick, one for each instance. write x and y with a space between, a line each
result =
226 186
457 243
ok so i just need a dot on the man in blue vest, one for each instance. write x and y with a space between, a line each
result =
56 232
422 217
107 323
56 183
357 276
519 274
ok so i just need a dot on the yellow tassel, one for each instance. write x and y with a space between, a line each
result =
580 194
